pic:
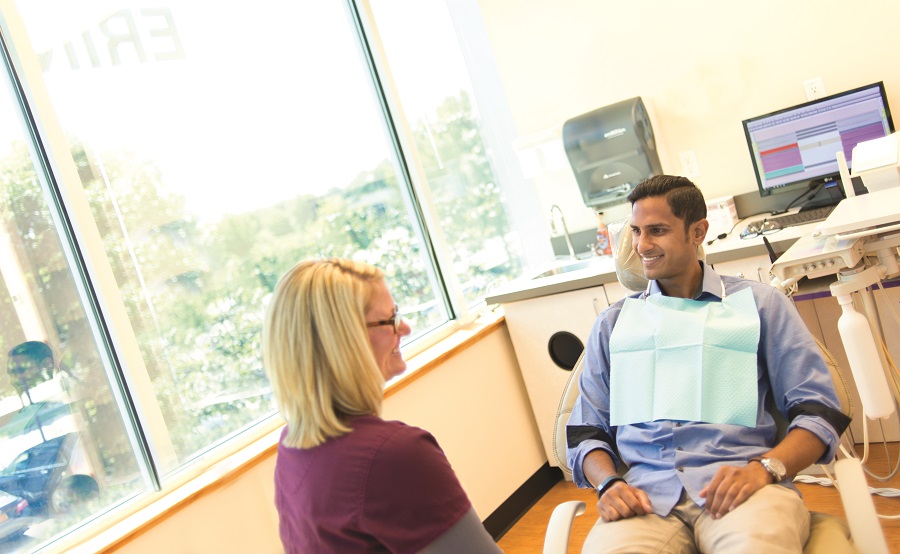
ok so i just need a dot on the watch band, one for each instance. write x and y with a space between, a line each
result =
768 464
607 483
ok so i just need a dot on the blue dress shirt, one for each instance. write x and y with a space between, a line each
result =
665 456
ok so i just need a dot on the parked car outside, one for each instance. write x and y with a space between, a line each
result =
52 475
16 516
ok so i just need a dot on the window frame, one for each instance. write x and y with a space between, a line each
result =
68 205
96 280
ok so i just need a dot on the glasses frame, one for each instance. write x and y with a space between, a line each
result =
394 321
763 230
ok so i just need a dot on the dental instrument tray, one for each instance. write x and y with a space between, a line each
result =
817 255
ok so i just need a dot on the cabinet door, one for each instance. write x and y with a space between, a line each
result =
615 292
755 267
531 324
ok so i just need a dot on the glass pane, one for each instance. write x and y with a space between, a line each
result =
436 92
218 147
65 450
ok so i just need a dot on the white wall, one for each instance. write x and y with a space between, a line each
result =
237 517
701 66
475 405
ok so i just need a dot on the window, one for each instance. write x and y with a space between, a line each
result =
182 156
437 101
67 448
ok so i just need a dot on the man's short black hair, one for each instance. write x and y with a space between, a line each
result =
682 195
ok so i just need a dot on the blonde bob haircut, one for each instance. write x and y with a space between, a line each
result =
316 349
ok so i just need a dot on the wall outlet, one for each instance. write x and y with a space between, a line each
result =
689 167
814 88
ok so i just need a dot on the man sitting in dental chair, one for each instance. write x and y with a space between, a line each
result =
678 384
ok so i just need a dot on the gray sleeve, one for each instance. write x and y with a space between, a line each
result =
467 535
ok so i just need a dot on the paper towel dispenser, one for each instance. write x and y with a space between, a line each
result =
611 150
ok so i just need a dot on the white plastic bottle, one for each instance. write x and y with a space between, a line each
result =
864 361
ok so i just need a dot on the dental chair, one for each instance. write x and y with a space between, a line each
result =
828 534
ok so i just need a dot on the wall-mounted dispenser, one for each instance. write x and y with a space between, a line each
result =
611 150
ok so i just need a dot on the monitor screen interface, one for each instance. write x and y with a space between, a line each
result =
796 147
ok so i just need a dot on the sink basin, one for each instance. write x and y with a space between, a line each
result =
570 266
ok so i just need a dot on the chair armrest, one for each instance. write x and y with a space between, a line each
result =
865 529
556 541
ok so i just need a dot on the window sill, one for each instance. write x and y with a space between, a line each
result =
464 336
141 515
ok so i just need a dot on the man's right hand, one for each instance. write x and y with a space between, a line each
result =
621 501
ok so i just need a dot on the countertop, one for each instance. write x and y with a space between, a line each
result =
602 269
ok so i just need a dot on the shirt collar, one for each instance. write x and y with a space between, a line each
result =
711 285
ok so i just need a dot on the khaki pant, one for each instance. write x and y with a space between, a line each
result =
773 520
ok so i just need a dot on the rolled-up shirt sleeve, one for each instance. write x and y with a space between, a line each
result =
588 427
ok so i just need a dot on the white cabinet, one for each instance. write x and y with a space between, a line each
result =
615 292
754 267
532 323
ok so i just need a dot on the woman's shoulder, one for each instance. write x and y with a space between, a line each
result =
372 443
400 439
413 457
372 437
367 434
371 424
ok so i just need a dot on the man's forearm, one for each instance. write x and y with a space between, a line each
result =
798 450
597 466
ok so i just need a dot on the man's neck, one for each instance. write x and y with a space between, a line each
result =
688 287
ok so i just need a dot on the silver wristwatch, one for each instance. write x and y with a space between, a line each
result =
774 466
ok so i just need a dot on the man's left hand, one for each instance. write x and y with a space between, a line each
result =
732 486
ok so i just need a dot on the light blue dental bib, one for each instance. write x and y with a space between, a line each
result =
688 360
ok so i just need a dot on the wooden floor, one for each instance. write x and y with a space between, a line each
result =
527 535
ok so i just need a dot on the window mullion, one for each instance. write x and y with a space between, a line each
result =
410 160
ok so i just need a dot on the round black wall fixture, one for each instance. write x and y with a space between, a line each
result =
565 348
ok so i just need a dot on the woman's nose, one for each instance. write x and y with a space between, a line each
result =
404 329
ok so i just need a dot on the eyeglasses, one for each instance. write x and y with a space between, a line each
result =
765 228
394 321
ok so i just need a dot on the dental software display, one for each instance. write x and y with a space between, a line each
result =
793 149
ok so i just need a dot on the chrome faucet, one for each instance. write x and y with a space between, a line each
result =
562 218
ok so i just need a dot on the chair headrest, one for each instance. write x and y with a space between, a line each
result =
629 269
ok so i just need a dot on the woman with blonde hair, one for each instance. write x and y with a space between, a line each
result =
345 479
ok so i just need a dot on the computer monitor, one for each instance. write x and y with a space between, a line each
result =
794 149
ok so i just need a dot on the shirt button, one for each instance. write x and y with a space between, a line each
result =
681 469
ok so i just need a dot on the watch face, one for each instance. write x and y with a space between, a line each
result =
775 467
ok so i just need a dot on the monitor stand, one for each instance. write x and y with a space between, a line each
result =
829 195
820 203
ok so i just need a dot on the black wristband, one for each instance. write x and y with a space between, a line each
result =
608 482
